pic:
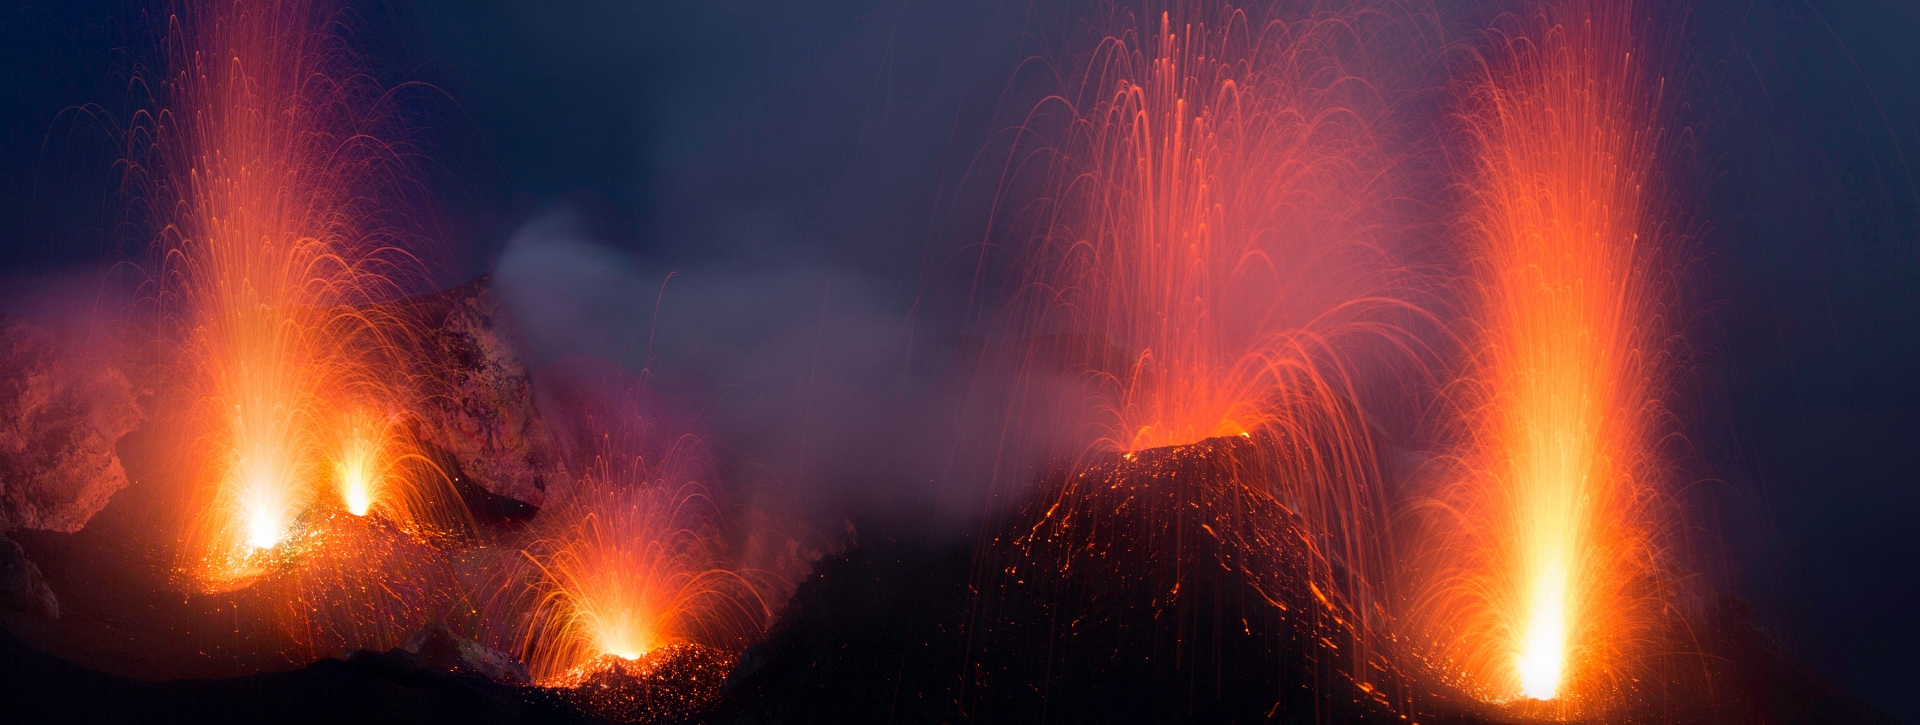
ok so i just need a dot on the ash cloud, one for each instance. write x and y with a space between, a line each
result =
763 239
805 380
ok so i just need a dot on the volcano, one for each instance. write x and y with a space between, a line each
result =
1164 584
1111 361
1168 584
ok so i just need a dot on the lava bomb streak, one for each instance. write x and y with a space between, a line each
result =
1207 206
1207 256
274 195
1543 559
631 562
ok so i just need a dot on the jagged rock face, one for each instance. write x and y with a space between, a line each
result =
477 403
61 412
21 587
440 648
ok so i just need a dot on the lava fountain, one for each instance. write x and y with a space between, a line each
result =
1544 567
378 469
1206 211
274 195
1208 260
359 469
631 562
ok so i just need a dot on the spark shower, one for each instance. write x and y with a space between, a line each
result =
1252 264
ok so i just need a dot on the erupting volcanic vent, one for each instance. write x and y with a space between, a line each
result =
269 176
1306 361
1175 550
1544 566
1206 206
1206 260
666 685
630 563
303 497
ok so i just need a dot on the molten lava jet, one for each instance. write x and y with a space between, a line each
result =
279 202
628 563
1542 561
1207 259
1206 210
273 192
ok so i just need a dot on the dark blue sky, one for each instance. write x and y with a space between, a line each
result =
757 135
1814 128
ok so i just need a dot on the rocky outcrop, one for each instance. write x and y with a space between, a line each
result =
21 587
61 411
438 647
477 398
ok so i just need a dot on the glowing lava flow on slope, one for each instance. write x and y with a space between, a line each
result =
628 563
1545 563
274 193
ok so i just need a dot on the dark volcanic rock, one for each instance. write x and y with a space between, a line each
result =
477 397
21 587
1752 679
61 411
438 647
1161 587
1155 587
369 687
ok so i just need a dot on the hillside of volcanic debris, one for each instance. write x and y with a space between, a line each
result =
1151 586
1158 586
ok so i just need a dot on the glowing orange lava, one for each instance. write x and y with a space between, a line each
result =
1207 213
360 470
377 468
1542 565
629 563
272 189
1207 259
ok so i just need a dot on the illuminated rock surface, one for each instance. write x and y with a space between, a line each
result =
478 399
61 411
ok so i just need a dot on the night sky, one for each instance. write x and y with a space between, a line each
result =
814 153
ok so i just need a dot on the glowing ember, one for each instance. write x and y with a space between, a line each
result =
666 685
341 581
1142 551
